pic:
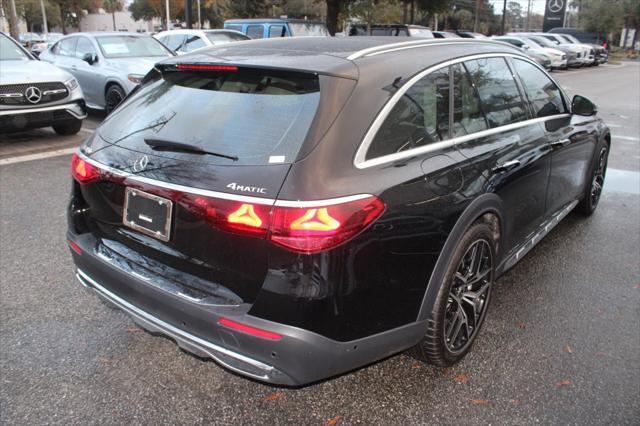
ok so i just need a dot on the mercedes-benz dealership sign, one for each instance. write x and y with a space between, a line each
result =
554 14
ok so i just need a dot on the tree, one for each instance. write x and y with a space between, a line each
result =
149 9
31 13
112 6
247 8
602 16
70 12
514 15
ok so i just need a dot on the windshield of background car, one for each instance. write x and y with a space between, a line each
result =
308 29
259 116
543 42
217 38
9 51
130 46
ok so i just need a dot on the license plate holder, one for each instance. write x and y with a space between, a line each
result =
147 213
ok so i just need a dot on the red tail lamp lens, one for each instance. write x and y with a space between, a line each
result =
258 332
232 216
310 230
74 246
83 171
205 67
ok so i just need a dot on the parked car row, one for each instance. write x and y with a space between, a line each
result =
110 65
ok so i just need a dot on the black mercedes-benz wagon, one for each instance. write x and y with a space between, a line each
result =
297 208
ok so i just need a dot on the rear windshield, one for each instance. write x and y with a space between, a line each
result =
259 117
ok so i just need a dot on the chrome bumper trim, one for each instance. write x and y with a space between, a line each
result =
183 339
70 108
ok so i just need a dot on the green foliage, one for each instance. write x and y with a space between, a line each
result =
606 16
111 6
31 13
248 8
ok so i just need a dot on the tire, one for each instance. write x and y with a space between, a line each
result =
453 305
593 189
112 97
69 128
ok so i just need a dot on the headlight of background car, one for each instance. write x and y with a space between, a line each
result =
135 78
71 84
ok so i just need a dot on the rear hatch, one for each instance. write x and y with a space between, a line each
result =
189 167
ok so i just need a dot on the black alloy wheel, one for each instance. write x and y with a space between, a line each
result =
594 191
462 301
113 97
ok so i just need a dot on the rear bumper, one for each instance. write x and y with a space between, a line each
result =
29 118
298 358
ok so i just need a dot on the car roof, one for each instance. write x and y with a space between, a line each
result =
339 56
270 20
108 33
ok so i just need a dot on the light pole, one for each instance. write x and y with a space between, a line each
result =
166 5
45 28
504 16
199 21
13 22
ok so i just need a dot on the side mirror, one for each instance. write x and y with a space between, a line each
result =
583 106
89 58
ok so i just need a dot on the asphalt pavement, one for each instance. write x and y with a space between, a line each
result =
561 343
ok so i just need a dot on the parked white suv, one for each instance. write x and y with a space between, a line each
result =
184 41
36 94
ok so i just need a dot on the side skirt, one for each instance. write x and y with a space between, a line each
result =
543 230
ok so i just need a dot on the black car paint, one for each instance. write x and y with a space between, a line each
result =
383 280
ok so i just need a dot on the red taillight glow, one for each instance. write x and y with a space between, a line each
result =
75 247
205 67
83 171
253 331
299 229
317 229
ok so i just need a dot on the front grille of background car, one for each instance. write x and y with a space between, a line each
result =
21 88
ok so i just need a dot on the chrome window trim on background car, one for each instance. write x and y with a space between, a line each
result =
222 195
360 160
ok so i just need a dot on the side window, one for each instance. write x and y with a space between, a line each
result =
277 31
255 31
68 46
420 117
543 94
83 47
56 49
467 114
499 95
380 32
193 42
234 27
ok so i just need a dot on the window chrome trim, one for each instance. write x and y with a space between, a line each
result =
392 47
223 195
360 160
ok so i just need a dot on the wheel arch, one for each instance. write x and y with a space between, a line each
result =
487 208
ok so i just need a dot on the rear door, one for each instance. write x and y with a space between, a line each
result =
571 138
505 142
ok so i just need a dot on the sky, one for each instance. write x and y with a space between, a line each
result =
537 6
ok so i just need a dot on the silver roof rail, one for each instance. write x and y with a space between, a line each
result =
392 47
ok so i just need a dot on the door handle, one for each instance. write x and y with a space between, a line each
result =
560 143
506 166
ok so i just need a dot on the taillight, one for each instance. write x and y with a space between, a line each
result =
310 230
83 171
232 216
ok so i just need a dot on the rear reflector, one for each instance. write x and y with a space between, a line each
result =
253 331
82 171
75 247
205 67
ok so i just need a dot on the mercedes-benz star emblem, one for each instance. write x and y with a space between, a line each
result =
140 164
33 94
555 6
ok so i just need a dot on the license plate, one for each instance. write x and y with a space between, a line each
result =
147 213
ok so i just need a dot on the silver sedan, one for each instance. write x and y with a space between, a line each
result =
107 65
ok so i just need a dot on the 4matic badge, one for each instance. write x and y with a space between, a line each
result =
243 188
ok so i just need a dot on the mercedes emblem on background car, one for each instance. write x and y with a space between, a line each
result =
33 94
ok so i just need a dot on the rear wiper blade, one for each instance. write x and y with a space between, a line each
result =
164 145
